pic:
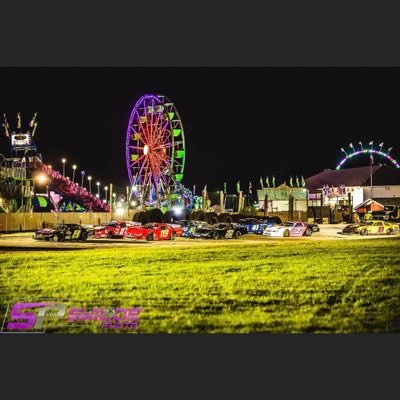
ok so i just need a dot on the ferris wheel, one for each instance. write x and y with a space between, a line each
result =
155 150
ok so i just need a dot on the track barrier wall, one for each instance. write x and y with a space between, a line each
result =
19 222
14 222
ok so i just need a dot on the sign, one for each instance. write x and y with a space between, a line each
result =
21 139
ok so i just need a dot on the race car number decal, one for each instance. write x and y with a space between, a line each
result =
123 231
164 233
76 234
296 230
229 233
255 228
380 229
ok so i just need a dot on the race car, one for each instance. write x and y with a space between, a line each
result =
61 232
189 227
290 228
154 231
255 225
113 229
177 228
220 231
314 227
371 228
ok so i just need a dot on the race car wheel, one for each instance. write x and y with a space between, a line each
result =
215 235
110 235
308 232
238 234
364 232
286 233
389 232
150 237
173 236
61 238
84 236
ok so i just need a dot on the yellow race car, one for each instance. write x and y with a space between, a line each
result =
372 228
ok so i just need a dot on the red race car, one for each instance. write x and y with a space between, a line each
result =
154 231
114 229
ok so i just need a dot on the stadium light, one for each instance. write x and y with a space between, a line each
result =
73 173
64 160
90 184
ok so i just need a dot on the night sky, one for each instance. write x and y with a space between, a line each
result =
239 123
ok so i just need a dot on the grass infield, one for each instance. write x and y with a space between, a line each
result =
277 286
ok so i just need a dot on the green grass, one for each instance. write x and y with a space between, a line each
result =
272 286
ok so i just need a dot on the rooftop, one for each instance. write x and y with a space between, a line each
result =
382 175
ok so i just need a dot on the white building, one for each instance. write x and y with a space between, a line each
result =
336 185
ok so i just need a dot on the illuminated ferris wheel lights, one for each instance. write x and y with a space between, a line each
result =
154 142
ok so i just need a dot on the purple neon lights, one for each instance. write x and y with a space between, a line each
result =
152 148
368 151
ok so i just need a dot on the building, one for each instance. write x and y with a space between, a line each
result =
278 198
341 185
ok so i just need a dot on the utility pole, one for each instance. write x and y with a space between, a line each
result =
370 163
322 207
240 201
350 200
291 202
204 193
111 201
266 205
127 200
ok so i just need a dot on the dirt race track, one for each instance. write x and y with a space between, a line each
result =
23 241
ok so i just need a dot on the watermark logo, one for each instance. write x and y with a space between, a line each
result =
33 317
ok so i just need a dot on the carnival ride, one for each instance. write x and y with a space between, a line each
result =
66 189
22 169
368 150
155 152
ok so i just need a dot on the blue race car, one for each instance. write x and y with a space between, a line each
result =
255 225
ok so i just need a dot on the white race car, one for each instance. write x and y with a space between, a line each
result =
289 229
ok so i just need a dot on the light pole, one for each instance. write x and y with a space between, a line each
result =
73 173
90 184
106 189
83 176
114 196
63 162
98 189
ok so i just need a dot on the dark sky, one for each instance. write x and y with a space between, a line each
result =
239 123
